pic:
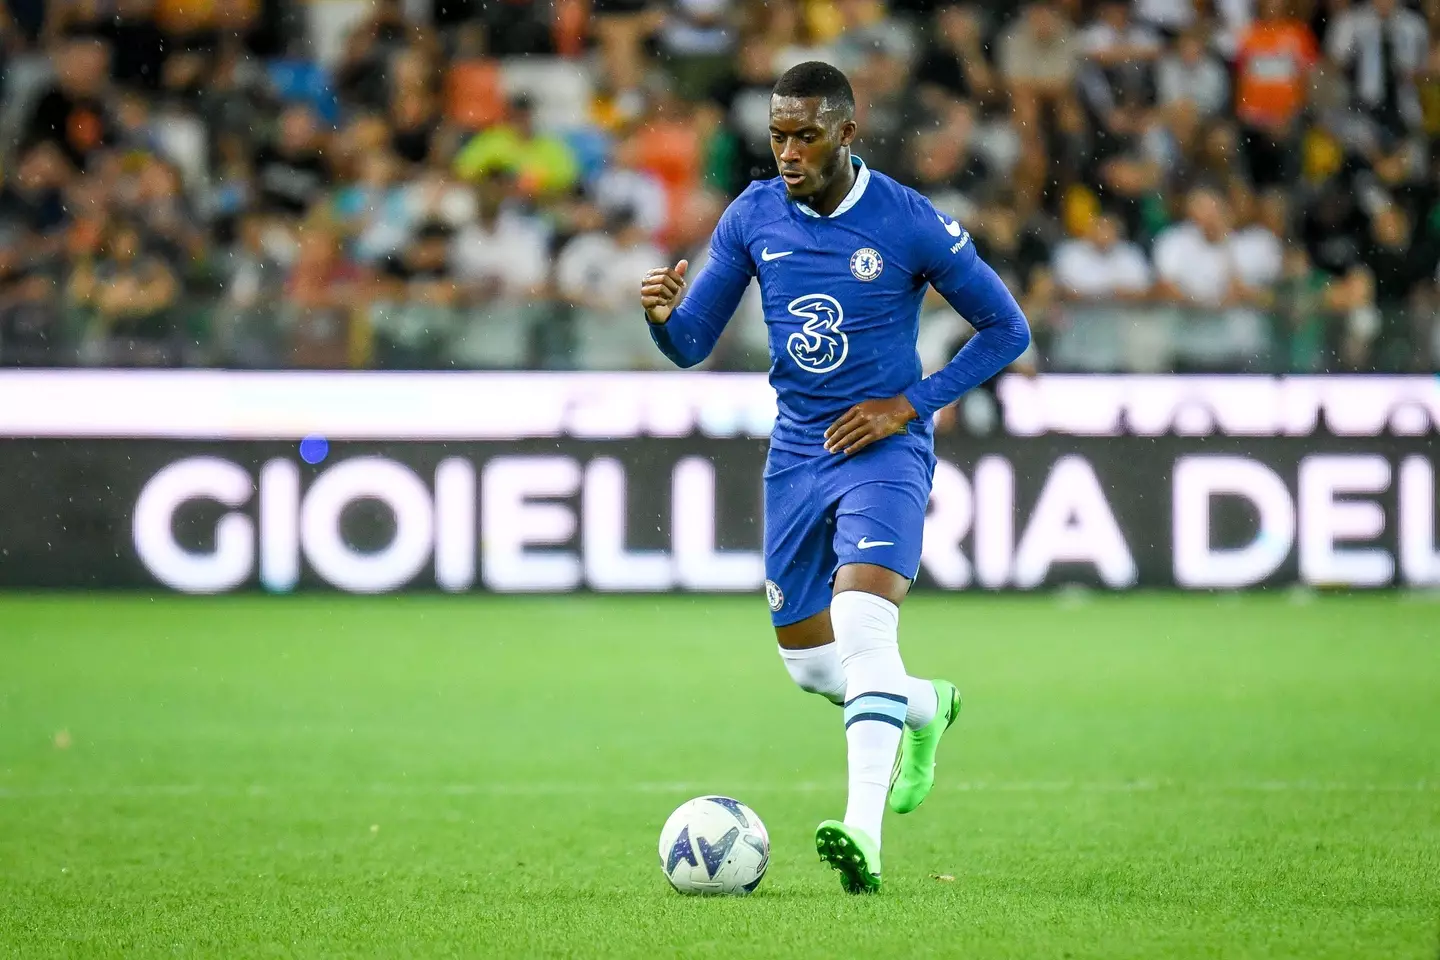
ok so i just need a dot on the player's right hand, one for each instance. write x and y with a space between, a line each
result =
660 291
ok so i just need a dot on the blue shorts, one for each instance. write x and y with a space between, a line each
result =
824 512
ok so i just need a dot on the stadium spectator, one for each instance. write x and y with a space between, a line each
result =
30 313
1199 261
949 168
697 40
545 164
886 108
1261 236
414 111
474 85
955 66
419 288
596 272
1273 63
76 113
747 102
127 296
504 253
421 272
236 101
1018 248
245 327
1101 266
363 72
1200 270
324 295
621 27
625 185
596 268
668 144
1382 47
1039 58
291 173
33 198
1190 74
1332 227
1403 270
372 209
1303 310
1152 152
1119 60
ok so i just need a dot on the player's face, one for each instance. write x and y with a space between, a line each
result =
808 144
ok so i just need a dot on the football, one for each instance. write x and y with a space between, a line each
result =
714 845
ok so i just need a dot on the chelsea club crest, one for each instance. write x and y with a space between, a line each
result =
774 595
866 264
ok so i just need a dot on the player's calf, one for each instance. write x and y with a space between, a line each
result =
867 634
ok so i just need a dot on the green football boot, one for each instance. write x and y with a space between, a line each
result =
914 774
851 851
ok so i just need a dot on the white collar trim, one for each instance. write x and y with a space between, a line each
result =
857 190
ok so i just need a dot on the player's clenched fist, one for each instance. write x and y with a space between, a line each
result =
867 422
660 291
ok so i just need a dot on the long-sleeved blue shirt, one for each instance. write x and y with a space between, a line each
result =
842 297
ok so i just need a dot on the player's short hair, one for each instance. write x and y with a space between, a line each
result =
817 79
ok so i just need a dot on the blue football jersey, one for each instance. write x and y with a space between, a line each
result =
842 297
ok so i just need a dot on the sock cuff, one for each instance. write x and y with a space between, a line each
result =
858 602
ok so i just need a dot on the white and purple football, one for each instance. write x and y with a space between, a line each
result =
714 845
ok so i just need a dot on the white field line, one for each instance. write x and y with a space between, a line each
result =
690 788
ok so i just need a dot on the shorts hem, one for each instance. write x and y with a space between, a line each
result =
909 577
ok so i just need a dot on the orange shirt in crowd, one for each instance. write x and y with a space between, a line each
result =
474 94
1274 61
670 151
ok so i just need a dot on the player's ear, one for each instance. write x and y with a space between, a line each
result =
847 133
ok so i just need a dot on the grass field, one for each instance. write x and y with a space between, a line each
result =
1148 777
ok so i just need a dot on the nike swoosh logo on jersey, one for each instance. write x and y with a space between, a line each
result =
953 227
866 543
767 256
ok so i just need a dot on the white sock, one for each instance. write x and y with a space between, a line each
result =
817 670
867 633
923 703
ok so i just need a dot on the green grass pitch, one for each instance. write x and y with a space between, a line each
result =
1147 776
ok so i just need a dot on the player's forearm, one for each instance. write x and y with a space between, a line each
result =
679 342
695 325
1001 336
984 355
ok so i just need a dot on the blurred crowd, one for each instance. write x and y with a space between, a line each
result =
472 184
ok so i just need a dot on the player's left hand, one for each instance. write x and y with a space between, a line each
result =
867 422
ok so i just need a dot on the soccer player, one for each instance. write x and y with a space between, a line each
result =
843 254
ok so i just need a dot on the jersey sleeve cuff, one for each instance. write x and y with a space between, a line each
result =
924 407
677 342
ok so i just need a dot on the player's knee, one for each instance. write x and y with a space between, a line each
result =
831 686
817 670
